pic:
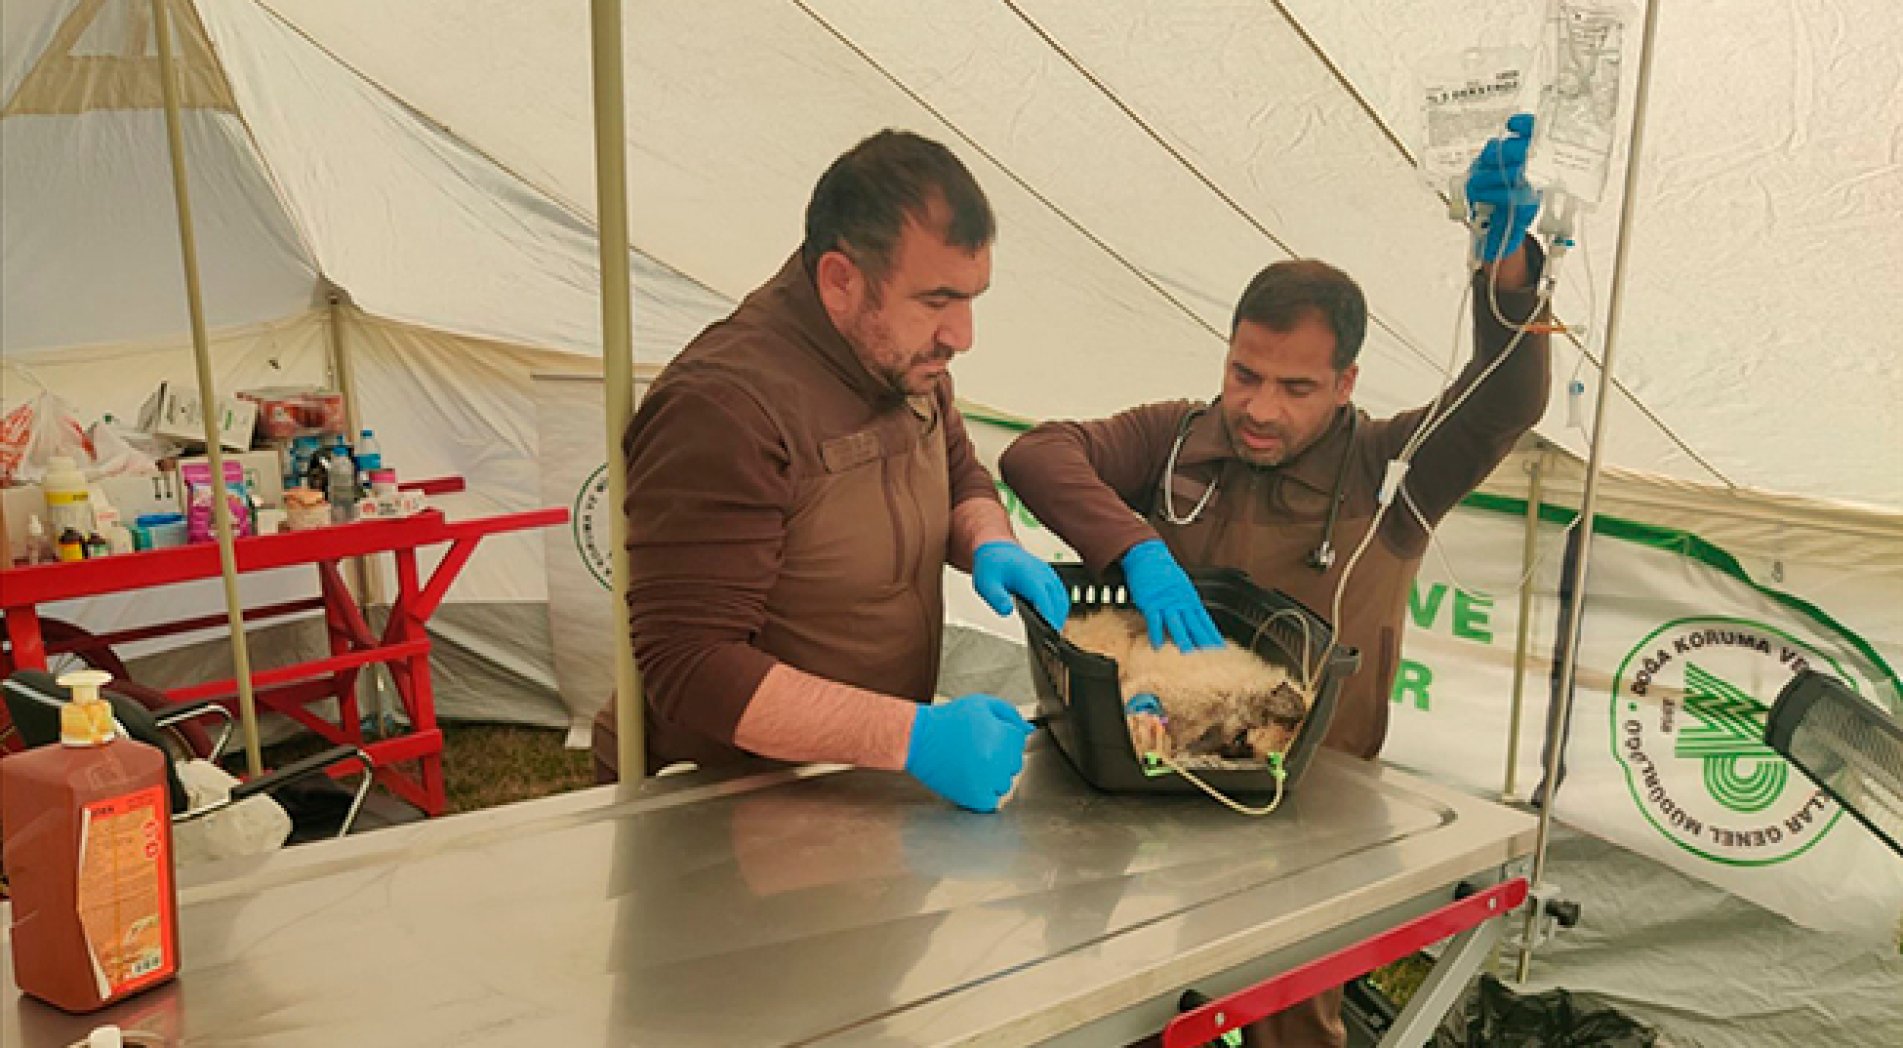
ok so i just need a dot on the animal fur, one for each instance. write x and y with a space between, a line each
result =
1228 703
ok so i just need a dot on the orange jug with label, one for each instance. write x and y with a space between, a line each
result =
88 854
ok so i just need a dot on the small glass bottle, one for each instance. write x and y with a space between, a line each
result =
72 545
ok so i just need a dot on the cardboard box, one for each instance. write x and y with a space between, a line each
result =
136 496
173 411
294 411
22 504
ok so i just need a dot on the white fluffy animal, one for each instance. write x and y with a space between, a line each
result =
1228 703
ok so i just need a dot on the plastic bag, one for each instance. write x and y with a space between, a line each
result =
253 826
1493 1016
37 431
198 495
1578 121
119 452
1466 98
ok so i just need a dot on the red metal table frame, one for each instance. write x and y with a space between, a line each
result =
1464 919
404 644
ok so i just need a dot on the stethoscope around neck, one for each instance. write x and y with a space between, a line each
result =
1322 557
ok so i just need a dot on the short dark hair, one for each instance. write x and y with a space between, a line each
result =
862 201
1284 294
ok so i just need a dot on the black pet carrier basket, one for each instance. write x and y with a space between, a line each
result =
1081 703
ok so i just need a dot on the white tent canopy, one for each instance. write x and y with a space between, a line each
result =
1765 228
448 183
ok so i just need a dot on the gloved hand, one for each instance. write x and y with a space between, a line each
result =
1168 600
1000 569
968 750
1498 179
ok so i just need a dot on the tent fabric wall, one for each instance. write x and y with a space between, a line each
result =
472 280
91 245
734 106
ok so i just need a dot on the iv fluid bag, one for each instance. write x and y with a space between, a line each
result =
1577 122
1466 98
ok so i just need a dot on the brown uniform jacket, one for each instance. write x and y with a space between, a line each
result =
1100 486
784 505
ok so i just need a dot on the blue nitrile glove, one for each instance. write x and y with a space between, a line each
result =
1000 569
968 750
1497 178
1168 600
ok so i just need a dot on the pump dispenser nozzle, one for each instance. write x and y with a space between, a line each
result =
87 720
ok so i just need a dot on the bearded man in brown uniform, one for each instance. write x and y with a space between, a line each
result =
798 477
1283 470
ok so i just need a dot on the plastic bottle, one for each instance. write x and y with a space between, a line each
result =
343 485
97 546
67 499
369 460
38 549
105 514
303 449
317 472
369 452
89 860
251 503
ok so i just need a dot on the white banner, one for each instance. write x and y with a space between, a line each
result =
572 464
1451 705
1680 660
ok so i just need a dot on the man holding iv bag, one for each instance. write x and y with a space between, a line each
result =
1284 478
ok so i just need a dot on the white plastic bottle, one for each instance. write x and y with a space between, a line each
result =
68 503
343 485
38 549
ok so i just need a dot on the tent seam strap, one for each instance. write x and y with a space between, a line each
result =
1188 165
1022 183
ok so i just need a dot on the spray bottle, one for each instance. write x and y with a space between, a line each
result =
88 853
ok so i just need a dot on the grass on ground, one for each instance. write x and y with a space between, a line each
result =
485 765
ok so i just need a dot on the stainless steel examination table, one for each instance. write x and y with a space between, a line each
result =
830 907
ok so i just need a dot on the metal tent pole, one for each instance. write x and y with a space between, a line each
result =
1569 655
617 360
1529 552
207 392
363 571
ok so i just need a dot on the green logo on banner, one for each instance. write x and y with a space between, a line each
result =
1688 708
1742 773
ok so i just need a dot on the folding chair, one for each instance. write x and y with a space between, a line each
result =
33 700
